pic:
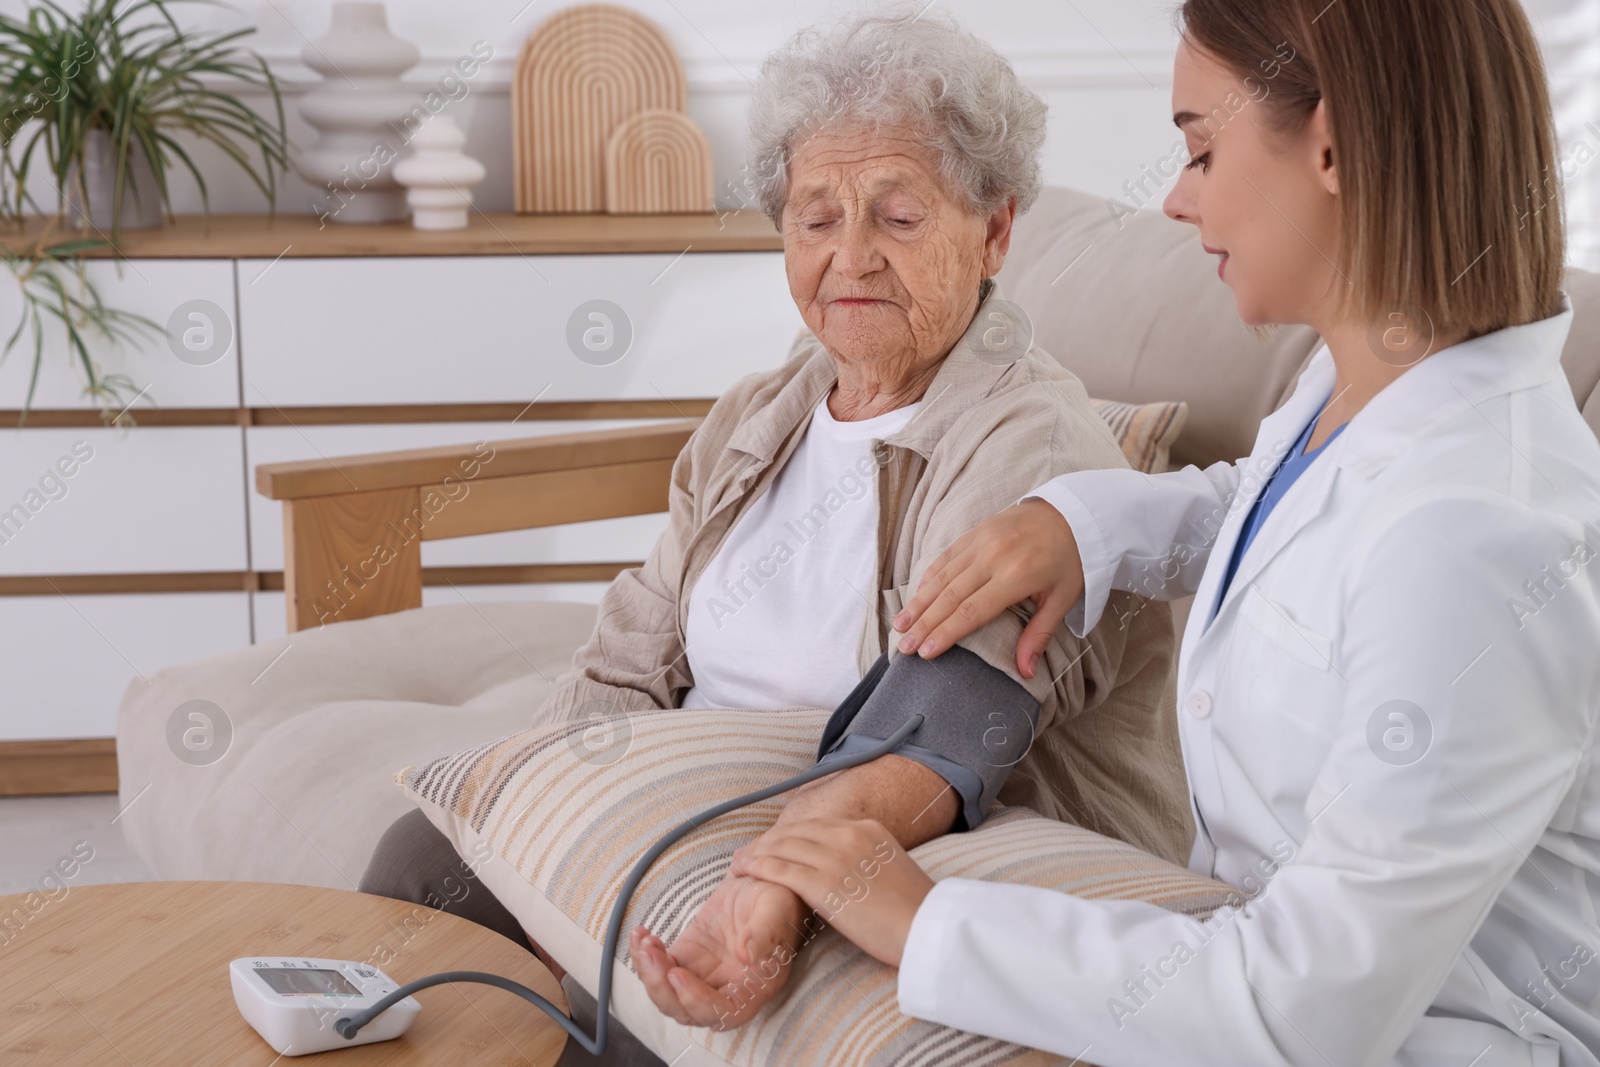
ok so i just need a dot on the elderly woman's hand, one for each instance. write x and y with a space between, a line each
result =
851 871
1026 552
733 957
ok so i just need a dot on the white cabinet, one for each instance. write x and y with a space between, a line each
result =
191 298
242 341
68 659
429 330
149 499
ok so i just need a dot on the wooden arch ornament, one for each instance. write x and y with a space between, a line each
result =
579 75
657 163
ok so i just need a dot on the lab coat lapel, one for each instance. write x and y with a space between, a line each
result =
1306 499
1273 441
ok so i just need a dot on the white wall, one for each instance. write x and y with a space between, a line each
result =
1104 67
1105 72
1108 100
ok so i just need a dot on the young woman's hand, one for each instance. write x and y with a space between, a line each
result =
1026 552
852 872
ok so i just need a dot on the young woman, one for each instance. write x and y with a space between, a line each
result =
1390 682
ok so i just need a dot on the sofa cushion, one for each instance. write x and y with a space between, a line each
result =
1131 304
1581 356
1144 432
310 728
566 810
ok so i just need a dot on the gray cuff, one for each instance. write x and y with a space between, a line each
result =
977 723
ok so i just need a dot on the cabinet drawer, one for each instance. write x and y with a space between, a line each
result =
68 660
604 541
496 328
190 299
96 500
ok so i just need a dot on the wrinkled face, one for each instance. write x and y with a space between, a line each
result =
1265 202
883 260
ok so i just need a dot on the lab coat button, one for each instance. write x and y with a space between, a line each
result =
1199 703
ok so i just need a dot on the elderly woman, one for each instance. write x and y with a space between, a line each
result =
895 153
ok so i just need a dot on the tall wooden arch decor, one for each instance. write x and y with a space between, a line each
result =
658 163
578 76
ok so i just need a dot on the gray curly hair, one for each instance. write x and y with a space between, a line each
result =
897 67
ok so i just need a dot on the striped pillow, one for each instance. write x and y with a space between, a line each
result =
566 810
1145 432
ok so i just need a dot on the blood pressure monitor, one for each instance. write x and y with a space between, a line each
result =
294 1002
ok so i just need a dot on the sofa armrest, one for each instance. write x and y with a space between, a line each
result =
354 525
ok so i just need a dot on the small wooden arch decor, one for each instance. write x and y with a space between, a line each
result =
580 74
658 163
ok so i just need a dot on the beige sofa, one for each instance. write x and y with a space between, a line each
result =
304 788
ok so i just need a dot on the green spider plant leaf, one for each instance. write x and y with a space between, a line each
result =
125 69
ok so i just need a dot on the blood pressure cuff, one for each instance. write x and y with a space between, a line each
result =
977 722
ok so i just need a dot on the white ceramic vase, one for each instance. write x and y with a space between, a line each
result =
439 177
358 111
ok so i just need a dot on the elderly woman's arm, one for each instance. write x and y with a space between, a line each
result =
1105 752
634 660
735 954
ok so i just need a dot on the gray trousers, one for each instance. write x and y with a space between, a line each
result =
415 862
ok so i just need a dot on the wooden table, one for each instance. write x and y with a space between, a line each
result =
136 974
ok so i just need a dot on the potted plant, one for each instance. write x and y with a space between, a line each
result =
105 98
112 88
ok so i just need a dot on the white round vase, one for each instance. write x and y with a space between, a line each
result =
358 110
439 177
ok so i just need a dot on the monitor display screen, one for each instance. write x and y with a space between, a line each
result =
307 982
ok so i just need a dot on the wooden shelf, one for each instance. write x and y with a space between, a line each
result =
272 581
72 765
487 234
369 414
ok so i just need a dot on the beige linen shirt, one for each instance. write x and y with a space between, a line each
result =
1105 755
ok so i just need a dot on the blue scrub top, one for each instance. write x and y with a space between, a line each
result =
1294 464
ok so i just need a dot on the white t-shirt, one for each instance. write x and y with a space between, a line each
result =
776 616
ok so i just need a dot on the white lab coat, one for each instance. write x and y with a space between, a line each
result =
1387 729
